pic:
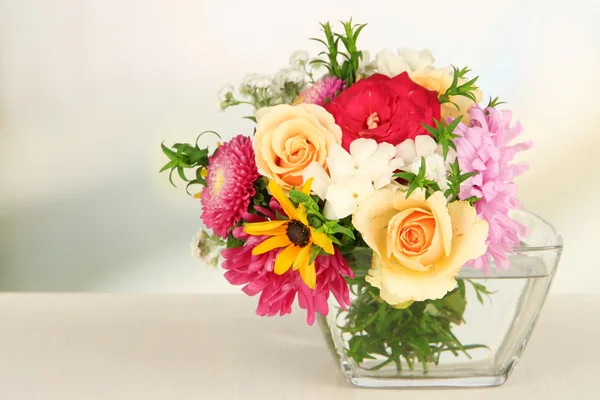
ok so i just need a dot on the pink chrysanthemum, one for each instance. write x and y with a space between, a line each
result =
278 292
484 147
322 91
230 185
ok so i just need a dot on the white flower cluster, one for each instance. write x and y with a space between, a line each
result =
262 90
352 176
206 248
288 82
299 59
254 81
369 166
412 153
391 64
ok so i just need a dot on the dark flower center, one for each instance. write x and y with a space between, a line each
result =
298 233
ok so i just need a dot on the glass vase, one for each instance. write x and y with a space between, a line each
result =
472 337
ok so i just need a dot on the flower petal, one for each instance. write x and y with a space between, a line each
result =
286 258
301 259
322 240
340 163
286 204
321 180
307 186
425 145
407 151
361 149
309 275
270 244
340 202
301 214
263 228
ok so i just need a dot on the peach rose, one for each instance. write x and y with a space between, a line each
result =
289 138
440 80
419 244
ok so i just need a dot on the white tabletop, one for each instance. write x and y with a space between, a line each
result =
90 346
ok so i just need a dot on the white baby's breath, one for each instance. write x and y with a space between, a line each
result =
254 81
299 58
225 92
287 75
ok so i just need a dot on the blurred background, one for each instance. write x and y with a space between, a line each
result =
89 89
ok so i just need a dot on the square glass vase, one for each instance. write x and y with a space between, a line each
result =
481 349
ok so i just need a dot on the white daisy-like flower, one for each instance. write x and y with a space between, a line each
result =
411 152
404 60
299 58
352 175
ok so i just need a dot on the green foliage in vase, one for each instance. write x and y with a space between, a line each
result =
414 333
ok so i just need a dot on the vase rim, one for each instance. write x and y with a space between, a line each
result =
553 240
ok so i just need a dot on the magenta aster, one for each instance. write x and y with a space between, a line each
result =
484 147
322 91
278 292
230 185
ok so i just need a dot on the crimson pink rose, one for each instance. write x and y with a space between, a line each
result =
385 109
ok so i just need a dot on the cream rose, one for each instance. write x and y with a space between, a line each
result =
440 80
289 138
419 244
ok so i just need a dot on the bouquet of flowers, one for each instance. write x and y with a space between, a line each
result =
369 181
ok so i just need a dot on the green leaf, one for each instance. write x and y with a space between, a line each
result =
434 132
167 166
495 102
251 118
450 128
343 230
233 242
182 174
455 77
465 176
422 170
461 287
409 176
171 177
298 197
411 188
169 153
314 253
319 40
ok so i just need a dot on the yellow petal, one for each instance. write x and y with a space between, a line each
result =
286 258
301 214
322 240
309 275
198 195
286 204
307 185
270 244
263 228
302 257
